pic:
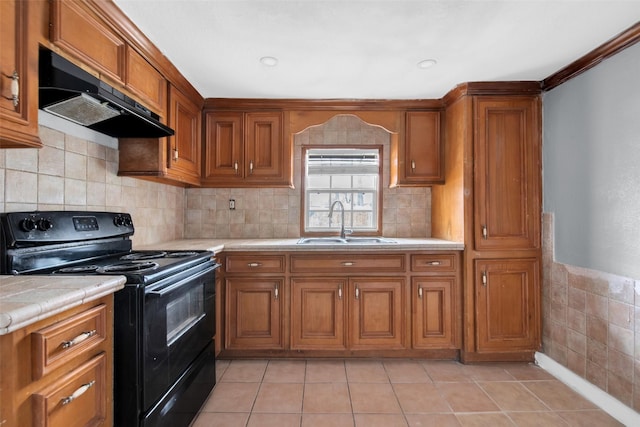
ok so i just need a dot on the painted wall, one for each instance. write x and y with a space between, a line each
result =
591 226
591 164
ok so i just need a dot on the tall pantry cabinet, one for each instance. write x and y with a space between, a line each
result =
491 200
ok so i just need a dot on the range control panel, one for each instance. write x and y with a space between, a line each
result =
63 226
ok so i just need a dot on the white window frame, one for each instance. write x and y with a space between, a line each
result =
342 161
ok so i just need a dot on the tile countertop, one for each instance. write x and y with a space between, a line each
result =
27 299
218 245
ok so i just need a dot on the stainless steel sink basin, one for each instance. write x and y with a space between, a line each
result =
345 241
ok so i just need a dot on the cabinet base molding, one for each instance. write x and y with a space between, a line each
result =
516 356
439 354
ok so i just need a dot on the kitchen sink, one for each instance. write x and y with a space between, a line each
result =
346 241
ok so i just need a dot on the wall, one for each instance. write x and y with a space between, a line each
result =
73 173
591 231
591 172
275 213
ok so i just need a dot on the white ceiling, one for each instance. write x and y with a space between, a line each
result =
369 49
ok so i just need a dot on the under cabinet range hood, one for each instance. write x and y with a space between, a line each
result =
69 92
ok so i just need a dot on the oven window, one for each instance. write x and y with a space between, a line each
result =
183 312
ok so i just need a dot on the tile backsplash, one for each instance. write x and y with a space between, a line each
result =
275 213
70 173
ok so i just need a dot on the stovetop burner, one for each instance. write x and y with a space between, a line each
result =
143 255
81 269
126 267
181 254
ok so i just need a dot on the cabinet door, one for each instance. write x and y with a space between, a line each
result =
77 399
265 154
377 319
18 72
254 313
184 147
224 149
422 149
318 314
507 173
146 82
507 305
76 30
433 314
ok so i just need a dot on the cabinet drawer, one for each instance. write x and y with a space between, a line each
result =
78 398
255 264
434 262
345 262
55 345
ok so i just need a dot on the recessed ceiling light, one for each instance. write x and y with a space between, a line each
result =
427 63
269 61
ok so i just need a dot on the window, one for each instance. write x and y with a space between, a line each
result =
348 175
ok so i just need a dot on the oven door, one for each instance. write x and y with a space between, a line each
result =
178 324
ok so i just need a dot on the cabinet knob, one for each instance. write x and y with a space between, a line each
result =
175 154
413 165
484 231
254 264
340 292
235 167
420 293
251 167
484 278
276 292
15 88
434 263
348 263
357 292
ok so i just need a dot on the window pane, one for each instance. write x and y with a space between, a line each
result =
341 181
319 181
318 201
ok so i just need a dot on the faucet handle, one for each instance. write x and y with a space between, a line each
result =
348 231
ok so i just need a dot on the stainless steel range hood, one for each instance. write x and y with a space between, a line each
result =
68 91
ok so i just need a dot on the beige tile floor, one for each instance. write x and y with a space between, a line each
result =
389 393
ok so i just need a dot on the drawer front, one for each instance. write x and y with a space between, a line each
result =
255 264
437 262
360 263
76 399
55 345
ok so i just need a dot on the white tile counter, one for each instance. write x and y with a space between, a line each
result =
27 299
218 245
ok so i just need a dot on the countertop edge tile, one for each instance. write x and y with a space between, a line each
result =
41 305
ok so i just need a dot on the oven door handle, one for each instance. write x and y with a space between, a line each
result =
162 291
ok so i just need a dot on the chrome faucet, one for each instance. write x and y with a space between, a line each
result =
343 232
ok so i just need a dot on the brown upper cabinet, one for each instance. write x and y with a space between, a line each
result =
246 149
175 159
76 30
184 147
507 173
18 77
146 82
421 157
79 32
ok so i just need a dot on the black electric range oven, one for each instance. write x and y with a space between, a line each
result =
164 318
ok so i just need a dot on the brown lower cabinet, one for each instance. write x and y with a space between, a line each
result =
507 305
62 371
363 313
254 313
342 304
